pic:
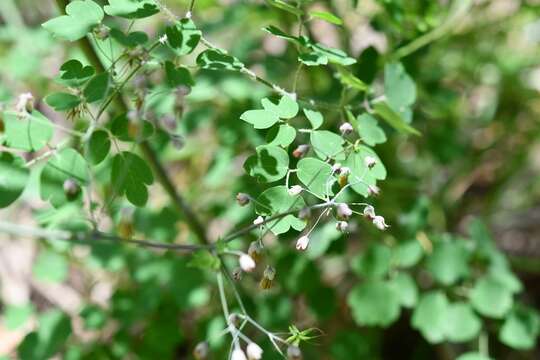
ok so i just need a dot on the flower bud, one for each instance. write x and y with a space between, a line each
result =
304 213
25 103
336 167
373 190
369 212
233 320
254 351
247 263
370 161
302 243
201 351
295 190
71 189
294 353
342 226
255 250
102 32
177 141
237 274
238 354
268 278
168 122
258 221
163 39
242 199
300 151
379 222
183 90
345 128
343 211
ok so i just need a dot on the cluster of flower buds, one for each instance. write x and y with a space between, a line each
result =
377 220
25 103
301 151
268 278
345 129
253 352
242 199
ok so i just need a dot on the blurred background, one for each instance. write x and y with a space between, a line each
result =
474 172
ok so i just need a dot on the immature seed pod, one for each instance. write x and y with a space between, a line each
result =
201 351
71 189
242 199
300 151
294 353
255 250
268 278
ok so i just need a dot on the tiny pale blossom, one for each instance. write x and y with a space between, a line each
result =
254 351
242 199
342 226
246 263
295 190
346 128
343 211
344 171
188 15
25 103
258 221
379 223
302 243
238 354
369 212
336 167
163 39
370 161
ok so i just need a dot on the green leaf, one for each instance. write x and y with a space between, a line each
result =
130 40
315 118
74 74
270 163
97 88
50 267
287 108
313 59
131 175
183 37
316 175
62 101
408 253
131 9
361 175
64 165
374 262
13 178
473 356
374 303
348 79
406 289
393 118
335 56
399 88
520 328
27 132
214 59
282 136
82 16
462 324
93 316
326 144
98 146
283 5
204 260
16 316
326 16
277 200
369 130
321 239
281 34
177 76
260 119
429 316
491 298
54 329
448 262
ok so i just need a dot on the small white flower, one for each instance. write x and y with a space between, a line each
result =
302 243
370 161
336 167
254 351
163 39
238 354
343 210
246 263
346 128
373 190
25 103
369 212
379 223
342 226
344 171
295 190
258 221
188 15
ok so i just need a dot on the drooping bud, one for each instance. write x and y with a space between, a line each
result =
242 199
369 212
71 189
344 171
370 161
304 213
254 351
237 274
255 250
345 128
336 167
258 221
379 222
295 190
342 226
300 151
373 190
201 351
25 103
294 353
168 121
343 211
268 278
238 354
302 243
247 263
177 141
